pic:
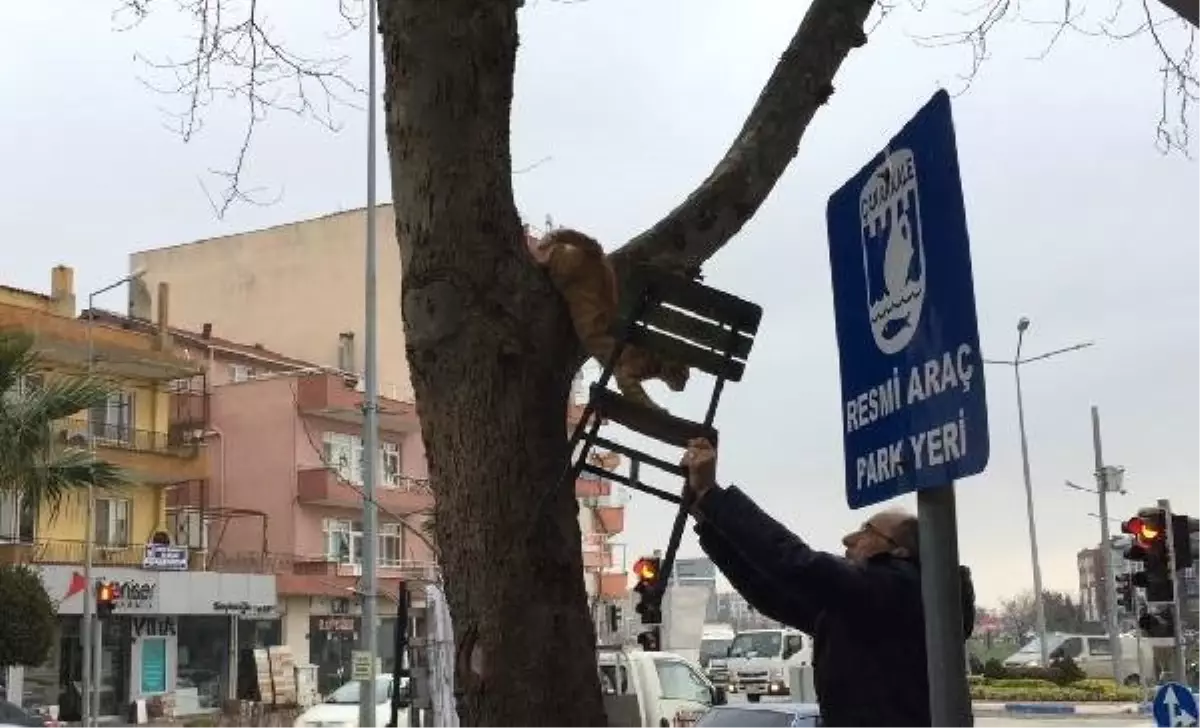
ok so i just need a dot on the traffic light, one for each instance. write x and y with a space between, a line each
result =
1183 532
106 599
614 618
1150 547
649 589
1126 595
1157 622
651 639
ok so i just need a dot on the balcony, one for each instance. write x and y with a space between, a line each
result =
73 553
323 487
614 586
114 351
589 486
318 575
336 397
597 552
148 456
610 520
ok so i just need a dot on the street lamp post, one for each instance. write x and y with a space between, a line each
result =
90 707
366 702
1015 363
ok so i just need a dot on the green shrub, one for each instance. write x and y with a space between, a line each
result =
28 619
994 669
1066 671
1053 694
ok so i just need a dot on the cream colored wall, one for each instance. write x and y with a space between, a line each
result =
291 288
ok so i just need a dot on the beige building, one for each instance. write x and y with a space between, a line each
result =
296 288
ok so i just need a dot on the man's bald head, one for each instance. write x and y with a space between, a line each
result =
891 531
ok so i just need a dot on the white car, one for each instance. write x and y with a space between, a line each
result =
340 709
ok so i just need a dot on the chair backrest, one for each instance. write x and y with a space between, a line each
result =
688 322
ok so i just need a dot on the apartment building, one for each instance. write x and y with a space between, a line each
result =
298 289
286 495
173 631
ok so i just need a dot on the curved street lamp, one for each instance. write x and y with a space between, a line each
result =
1016 362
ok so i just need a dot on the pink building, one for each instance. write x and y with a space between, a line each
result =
285 494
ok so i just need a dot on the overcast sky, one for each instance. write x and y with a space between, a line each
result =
1076 219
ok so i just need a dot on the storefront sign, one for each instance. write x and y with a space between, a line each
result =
154 666
154 627
145 593
133 594
160 557
243 608
336 624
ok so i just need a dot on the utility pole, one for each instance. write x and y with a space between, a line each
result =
1106 552
371 457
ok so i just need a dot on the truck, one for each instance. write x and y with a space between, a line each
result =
714 651
760 661
653 689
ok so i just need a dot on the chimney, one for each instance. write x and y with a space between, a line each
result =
62 290
206 331
345 359
164 308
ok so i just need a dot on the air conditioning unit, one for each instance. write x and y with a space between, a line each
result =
349 570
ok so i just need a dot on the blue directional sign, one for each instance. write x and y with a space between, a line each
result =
1174 705
914 408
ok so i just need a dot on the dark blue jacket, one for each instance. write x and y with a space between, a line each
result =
866 621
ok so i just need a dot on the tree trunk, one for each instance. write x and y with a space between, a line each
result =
491 354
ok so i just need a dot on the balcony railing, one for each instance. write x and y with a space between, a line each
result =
320 565
78 432
68 552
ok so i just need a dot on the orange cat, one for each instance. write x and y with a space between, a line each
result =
585 279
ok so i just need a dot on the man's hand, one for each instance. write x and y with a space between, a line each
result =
701 462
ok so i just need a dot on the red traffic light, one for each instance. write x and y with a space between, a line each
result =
1144 531
646 570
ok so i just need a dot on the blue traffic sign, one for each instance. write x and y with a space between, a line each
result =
914 407
1174 705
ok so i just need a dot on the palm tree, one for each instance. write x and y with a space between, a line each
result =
33 461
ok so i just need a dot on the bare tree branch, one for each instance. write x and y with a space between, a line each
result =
1179 79
801 83
237 57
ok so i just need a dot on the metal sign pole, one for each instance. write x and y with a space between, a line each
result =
1179 665
941 592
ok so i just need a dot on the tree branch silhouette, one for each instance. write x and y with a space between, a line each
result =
236 56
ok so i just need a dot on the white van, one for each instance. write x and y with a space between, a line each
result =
1093 654
652 689
760 661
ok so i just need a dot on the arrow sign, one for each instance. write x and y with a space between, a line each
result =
1174 705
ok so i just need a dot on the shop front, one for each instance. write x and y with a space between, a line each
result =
172 635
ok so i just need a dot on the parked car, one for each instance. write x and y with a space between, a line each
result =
12 714
341 707
761 715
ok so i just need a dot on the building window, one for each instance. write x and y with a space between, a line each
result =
18 516
343 540
343 454
112 521
391 544
241 373
391 464
113 420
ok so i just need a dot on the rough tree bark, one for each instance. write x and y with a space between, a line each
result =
491 349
